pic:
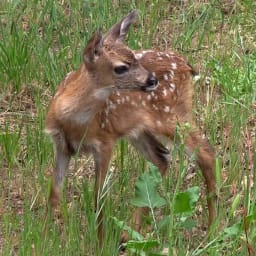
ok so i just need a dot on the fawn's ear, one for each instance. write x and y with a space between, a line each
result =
94 47
120 29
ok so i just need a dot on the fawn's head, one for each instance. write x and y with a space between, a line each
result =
112 64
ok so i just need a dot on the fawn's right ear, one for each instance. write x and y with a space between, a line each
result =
94 47
119 31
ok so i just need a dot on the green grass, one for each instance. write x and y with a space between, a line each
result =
40 41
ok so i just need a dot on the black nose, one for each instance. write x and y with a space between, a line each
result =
152 80
151 83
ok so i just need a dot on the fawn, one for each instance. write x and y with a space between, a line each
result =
108 65
91 111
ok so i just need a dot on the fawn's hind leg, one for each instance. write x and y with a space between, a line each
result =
206 160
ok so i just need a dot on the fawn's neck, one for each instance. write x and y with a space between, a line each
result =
83 97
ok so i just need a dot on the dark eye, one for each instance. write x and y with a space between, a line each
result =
121 69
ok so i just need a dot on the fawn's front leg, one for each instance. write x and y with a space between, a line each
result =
157 154
102 156
62 155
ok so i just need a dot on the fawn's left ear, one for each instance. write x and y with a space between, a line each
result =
94 47
119 31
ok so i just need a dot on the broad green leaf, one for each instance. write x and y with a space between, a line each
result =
142 245
185 201
134 234
250 218
237 228
234 230
146 194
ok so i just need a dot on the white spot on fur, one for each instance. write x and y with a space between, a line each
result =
102 125
155 107
154 73
174 65
166 109
152 94
111 104
171 74
149 97
165 77
123 100
118 101
171 87
159 58
164 92
143 103
127 98
139 55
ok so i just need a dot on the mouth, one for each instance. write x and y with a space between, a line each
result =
128 88
145 88
149 88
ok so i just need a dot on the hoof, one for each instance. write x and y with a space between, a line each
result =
122 248
54 197
123 240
